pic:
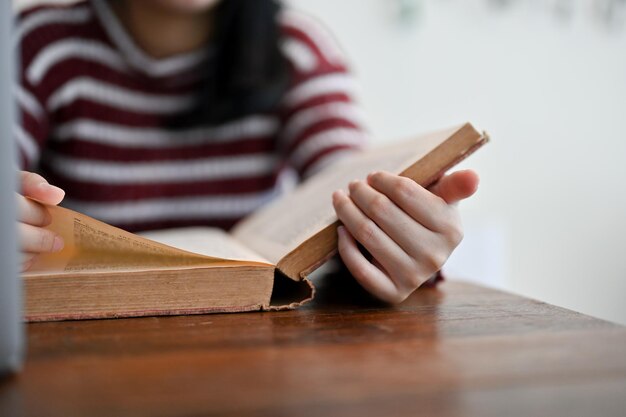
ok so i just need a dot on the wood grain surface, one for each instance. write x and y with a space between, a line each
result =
459 350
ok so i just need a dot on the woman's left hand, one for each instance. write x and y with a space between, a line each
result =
409 231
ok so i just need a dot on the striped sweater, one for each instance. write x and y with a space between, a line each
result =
94 110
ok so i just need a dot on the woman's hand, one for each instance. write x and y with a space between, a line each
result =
32 217
409 231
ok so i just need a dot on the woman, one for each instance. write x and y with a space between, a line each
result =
184 112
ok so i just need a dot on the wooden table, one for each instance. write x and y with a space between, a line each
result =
460 350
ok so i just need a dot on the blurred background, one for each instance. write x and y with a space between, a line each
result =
547 80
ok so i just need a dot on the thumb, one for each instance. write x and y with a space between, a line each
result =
35 186
456 186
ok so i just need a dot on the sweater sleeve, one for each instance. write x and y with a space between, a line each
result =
31 128
320 119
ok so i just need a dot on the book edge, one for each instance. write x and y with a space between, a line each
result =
35 318
260 303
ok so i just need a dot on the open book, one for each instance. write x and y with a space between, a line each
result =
105 272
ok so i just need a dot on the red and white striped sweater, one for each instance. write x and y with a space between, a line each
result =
94 108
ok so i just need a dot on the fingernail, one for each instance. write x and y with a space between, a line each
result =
353 184
45 185
340 230
58 244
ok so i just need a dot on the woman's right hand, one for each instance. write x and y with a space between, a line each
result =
32 217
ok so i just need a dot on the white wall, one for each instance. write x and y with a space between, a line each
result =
550 218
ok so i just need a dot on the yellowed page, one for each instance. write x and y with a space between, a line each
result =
284 224
94 246
204 241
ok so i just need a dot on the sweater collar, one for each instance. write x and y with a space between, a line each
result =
136 57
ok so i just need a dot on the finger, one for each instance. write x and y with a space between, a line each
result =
391 256
27 256
35 186
28 260
31 212
457 186
410 235
372 279
428 249
420 204
27 265
37 240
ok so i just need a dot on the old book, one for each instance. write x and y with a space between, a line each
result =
262 264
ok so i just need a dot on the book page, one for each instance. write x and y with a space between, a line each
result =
94 246
204 241
282 226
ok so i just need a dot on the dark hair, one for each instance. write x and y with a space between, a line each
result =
247 72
